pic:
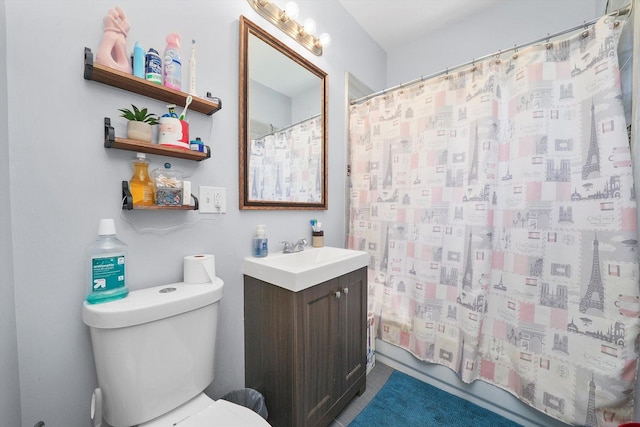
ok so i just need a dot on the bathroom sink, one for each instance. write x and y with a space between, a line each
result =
301 270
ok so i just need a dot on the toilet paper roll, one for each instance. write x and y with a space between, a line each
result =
199 269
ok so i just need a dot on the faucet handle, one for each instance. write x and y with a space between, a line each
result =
301 242
288 246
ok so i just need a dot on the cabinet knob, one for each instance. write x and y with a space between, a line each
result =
337 294
345 290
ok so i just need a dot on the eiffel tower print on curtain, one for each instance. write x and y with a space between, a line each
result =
473 169
595 283
593 156
592 420
467 278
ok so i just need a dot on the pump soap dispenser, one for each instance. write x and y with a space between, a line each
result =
260 243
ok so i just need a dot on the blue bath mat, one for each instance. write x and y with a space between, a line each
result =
408 402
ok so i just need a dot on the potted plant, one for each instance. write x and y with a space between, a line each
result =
140 122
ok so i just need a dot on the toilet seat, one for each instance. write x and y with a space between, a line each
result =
201 411
225 414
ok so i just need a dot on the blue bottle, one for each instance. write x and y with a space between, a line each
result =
107 266
138 60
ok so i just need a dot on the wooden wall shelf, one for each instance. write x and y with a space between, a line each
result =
110 141
127 202
131 83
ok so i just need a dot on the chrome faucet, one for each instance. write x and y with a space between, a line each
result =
290 248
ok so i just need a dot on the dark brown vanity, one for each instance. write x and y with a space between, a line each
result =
305 351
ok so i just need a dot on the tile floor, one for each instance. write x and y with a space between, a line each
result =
375 380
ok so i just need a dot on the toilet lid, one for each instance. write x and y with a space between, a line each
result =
222 413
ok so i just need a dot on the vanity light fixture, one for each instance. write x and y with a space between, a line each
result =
286 20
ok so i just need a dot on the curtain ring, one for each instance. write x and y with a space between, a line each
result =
548 44
585 33
497 57
473 64
446 74
515 51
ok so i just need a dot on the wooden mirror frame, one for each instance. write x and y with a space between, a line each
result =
248 28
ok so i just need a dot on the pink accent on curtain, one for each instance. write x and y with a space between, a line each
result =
498 207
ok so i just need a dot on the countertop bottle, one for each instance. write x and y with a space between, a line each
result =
260 243
107 272
140 183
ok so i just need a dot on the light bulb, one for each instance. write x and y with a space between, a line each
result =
290 11
309 26
325 39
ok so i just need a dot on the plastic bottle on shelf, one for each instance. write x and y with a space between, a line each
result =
172 66
107 266
153 67
138 60
140 184
260 243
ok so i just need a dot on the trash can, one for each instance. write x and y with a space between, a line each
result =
249 398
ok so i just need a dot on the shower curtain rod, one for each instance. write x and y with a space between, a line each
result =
289 126
622 11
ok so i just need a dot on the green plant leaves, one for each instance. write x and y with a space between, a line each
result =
139 115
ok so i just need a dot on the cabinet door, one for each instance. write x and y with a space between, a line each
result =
352 328
320 320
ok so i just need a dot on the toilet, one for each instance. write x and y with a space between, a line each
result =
154 355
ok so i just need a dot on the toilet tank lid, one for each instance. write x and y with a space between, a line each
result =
146 305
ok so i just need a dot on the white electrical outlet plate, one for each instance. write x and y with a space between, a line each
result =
212 200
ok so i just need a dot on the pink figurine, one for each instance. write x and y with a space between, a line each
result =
113 47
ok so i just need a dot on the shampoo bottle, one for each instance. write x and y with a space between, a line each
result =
107 273
260 243
172 65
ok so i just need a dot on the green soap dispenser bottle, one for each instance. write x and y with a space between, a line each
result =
107 266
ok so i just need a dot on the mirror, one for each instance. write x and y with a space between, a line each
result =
283 125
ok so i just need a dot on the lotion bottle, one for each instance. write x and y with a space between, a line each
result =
260 243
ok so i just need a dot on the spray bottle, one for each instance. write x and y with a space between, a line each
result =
172 65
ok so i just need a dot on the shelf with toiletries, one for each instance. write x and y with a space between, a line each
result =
127 202
111 141
112 77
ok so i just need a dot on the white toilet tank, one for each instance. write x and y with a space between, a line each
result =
154 350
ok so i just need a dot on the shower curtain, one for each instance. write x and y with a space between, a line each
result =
497 205
289 155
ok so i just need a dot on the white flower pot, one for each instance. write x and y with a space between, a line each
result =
140 131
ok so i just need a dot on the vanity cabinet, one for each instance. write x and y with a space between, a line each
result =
306 351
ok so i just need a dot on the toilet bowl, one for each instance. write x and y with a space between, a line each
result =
154 353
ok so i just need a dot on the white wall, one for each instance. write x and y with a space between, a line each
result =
9 378
62 181
500 27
